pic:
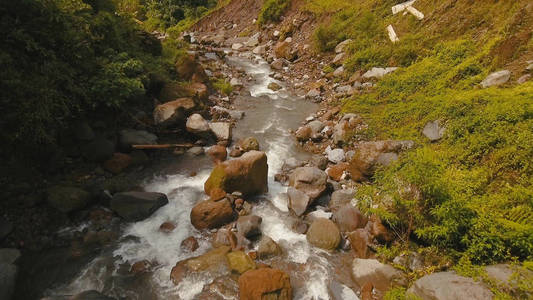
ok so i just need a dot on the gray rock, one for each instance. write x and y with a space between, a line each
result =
259 50
267 248
222 130
341 292
128 137
340 198
344 90
349 155
234 114
316 127
99 150
339 72
237 46
274 86
137 206
508 276
433 131
349 218
338 58
317 214
198 125
196 151
382 276
412 261
298 201
523 79
378 72
249 226
449 286
67 198
278 64
387 158
253 40
8 276
310 180
342 45
235 82
496 78
319 161
9 255
336 155
5 228
314 93
290 164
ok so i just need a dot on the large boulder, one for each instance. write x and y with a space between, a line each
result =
370 154
247 174
6 228
211 214
323 233
214 261
360 239
67 198
349 218
265 283
298 201
496 78
382 276
173 112
249 226
196 124
449 286
128 137
310 180
136 206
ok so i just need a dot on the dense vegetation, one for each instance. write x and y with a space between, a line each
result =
470 194
63 59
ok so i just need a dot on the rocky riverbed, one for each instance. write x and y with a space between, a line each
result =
260 205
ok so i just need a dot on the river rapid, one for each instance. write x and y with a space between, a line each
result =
269 117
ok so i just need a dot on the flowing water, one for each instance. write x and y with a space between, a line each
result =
269 116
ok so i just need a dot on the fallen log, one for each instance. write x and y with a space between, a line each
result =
162 146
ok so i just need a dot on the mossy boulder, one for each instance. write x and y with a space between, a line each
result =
324 234
246 174
211 214
240 261
67 198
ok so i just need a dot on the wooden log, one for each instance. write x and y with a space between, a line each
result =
162 146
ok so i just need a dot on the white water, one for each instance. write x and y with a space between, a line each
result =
269 116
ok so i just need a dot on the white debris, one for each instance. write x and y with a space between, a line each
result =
402 6
415 12
392 34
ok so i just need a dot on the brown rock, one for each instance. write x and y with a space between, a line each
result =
359 240
167 227
217 153
235 152
349 218
118 163
189 244
224 237
140 267
310 180
210 214
304 133
366 291
324 234
369 154
265 283
174 111
217 194
335 172
379 231
198 90
249 144
247 174
212 261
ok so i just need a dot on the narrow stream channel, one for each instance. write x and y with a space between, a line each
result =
268 117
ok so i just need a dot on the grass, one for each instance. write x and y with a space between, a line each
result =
223 86
476 199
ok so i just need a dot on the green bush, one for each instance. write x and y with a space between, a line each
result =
272 11
223 86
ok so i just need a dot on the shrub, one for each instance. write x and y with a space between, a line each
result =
223 86
272 11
